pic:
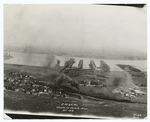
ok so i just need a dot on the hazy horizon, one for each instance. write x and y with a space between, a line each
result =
77 27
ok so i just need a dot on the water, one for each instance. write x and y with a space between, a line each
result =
140 64
33 59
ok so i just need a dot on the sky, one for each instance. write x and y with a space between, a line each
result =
76 27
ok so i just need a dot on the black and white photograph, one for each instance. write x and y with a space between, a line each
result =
75 61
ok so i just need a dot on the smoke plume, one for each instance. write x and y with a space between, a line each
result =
50 61
119 79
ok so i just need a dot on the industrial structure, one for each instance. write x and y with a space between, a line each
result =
69 70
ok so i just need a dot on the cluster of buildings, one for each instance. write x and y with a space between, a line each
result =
25 83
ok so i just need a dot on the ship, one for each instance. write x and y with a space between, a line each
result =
7 56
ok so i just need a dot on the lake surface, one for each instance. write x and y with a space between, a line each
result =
33 59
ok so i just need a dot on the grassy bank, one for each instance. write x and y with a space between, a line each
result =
18 101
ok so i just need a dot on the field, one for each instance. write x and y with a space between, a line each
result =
110 106
18 101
